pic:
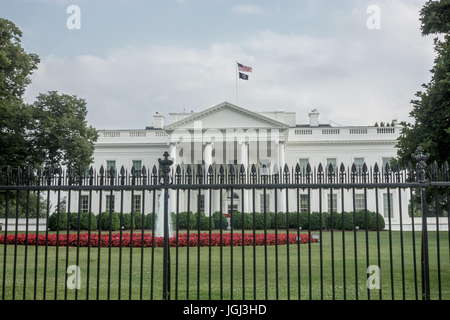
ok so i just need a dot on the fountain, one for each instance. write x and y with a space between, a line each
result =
159 220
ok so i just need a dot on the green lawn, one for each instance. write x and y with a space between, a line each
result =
278 286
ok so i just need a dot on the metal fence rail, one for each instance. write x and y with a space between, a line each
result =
201 259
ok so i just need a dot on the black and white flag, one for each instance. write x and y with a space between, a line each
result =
243 76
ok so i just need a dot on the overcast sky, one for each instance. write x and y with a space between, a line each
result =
130 59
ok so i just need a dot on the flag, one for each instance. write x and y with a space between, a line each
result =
243 76
241 67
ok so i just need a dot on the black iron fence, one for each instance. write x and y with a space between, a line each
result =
303 245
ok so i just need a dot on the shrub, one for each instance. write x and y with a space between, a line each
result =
293 223
303 220
259 220
137 217
63 225
204 223
371 220
361 219
270 220
148 221
115 221
332 224
183 220
348 220
126 221
194 221
315 220
280 220
247 222
216 220
84 221
327 218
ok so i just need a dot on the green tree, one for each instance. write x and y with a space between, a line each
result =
431 109
16 65
15 145
52 131
61 135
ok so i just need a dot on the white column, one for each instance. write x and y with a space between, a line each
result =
208 160
244 161
172 193
281 201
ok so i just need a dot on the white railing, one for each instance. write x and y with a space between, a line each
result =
137 134
161 134
299 132
111 134
330 131
358 131
386 130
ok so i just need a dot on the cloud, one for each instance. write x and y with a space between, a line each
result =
353 76
247 9
124 89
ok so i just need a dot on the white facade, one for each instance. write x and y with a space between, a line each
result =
229 134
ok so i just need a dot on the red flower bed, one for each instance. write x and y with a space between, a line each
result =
194 240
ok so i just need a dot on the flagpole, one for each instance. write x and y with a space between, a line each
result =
236 80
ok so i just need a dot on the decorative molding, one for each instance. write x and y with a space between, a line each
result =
340 142
131 145
226 105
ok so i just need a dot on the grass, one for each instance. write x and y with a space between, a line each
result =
274 274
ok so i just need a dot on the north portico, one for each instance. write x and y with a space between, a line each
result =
227 134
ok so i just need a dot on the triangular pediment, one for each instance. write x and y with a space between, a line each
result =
227 116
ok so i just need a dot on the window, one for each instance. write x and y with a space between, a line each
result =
388 208
201 203
264 166
110 203
84 204
137 202
304 203
235 208
235 195
331 161
334 202
384 161
359 162
359 202
262 205
303 163
109 165
137 165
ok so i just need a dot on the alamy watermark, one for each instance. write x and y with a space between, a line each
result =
374 279
74 21
374 21
74 281
230 146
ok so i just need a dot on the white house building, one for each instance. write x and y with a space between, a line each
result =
230 134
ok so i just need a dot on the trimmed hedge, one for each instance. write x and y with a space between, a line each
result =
360 218
53 221
73 224
371 220
279 220
84 221
126 221
115 221
137 217
217 220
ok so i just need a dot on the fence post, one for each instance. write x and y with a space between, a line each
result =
166 163
421 165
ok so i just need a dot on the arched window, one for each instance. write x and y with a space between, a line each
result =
235 195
